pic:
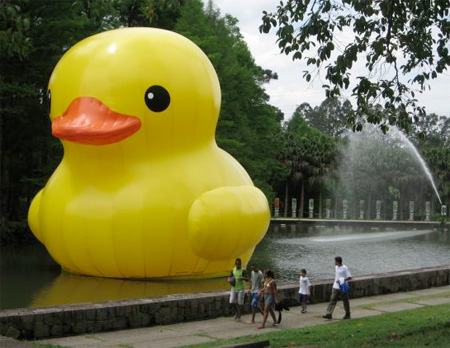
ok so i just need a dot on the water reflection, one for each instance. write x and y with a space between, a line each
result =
68 289
24 271
29 277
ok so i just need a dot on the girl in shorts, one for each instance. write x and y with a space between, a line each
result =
269 292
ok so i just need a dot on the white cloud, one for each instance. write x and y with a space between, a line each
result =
291 89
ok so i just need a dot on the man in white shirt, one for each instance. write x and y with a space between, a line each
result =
342 276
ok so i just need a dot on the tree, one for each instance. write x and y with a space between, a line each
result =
308 156
410 37
29 49
437 129
374 166
156 13
435 149
438 159
329 117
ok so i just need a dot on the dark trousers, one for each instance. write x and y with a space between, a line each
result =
334 298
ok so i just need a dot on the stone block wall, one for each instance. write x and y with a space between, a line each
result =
36 323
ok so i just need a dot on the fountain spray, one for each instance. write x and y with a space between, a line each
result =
421 161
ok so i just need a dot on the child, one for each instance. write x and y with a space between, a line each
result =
305 289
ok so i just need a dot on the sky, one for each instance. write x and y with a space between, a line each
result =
291 90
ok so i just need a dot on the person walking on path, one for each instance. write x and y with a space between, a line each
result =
270 298
256 282
237 277
340 288
304 289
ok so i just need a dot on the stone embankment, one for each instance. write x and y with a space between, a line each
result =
30 323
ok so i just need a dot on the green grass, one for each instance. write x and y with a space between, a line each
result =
423 327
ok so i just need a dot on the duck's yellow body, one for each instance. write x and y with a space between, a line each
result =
143 191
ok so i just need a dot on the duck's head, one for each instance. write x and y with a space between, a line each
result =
149 89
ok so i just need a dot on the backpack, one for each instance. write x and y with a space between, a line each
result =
231 279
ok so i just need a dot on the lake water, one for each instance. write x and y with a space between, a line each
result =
29 277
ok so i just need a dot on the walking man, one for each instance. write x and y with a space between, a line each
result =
256 281
342 276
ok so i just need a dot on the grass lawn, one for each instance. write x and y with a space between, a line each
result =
424 327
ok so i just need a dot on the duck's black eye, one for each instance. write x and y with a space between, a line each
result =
157 98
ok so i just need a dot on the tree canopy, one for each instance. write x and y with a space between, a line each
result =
403 43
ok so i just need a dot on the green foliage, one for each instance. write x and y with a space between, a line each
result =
394 192
432 136
330 117
156 13
374 167
383 32
438 159
308 155
432 131
14 38
423 327
333 167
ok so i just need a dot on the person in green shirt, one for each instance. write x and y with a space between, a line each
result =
238 289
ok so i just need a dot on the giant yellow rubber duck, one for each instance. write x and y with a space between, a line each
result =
143 191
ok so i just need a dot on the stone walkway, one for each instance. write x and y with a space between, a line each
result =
183 334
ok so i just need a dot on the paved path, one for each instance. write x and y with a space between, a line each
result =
225 327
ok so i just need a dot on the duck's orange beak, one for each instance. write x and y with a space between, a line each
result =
88 121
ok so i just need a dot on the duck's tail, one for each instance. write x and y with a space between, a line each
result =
33 216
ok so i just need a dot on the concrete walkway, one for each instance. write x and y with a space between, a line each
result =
184 334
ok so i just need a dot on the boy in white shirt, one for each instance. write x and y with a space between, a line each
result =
342 276
304 289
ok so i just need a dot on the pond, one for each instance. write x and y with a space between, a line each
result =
30 278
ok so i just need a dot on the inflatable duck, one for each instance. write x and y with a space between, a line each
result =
143 191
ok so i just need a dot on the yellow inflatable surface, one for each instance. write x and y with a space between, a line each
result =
143 191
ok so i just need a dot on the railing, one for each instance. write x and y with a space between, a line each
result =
364 211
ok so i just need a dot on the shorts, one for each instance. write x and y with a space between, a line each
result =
255 300
268 299
303 298
237 296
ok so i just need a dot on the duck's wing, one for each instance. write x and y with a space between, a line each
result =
228 221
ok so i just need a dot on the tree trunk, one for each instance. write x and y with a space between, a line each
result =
336 207
400 206
320 202
2 198
286 198
302 200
